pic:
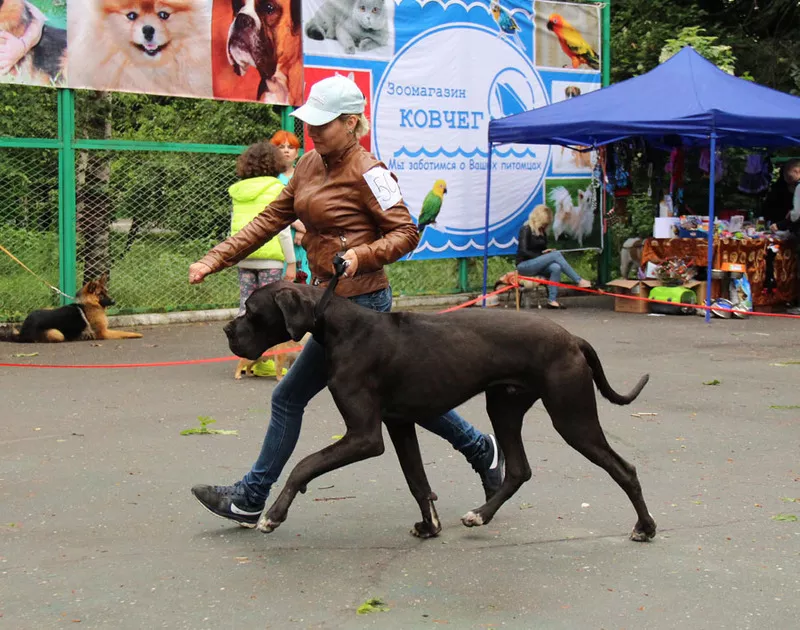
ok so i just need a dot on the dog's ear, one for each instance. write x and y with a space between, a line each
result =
298 312
91 286
296 8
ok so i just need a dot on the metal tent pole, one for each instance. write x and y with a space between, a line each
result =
711 193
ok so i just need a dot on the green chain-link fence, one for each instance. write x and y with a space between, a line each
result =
146 216
28 229
143 213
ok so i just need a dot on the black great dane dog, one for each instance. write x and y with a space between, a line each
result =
400 367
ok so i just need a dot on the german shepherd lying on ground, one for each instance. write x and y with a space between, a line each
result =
85 319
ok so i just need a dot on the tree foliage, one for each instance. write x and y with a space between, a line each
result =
761 36
694 36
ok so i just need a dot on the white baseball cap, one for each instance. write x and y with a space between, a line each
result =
329 99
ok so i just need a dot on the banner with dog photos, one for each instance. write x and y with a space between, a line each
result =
440 70
244 50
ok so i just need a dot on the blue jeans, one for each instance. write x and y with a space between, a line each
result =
552 264
304 380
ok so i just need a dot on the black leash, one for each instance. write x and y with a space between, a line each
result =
339 267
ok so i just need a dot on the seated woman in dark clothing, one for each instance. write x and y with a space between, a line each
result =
778 201
534 259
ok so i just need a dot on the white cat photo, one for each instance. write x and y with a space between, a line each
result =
363 29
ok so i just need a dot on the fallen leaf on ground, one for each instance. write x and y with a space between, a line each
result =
714 382
204 430
372 605
791 518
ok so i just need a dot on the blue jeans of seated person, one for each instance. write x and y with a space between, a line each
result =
304 380
552 263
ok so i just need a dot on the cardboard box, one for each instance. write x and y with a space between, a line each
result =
629 287
700 289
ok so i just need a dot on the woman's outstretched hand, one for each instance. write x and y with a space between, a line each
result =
198 271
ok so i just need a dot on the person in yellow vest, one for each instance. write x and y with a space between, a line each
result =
259 167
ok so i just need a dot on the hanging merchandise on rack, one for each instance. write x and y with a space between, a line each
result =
757 174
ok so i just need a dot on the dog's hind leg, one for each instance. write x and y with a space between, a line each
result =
404 438
363 439
53 335
506 407
574 416
118 334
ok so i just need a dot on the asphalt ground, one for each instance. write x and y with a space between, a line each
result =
98 528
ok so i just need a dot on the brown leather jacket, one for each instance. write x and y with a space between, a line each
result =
332 199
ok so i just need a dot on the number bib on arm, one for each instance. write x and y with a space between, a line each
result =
383 185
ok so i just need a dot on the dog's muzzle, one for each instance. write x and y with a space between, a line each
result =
233 337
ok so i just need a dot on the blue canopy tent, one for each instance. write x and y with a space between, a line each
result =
686 101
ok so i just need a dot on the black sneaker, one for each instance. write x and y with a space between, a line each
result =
492 475
228 502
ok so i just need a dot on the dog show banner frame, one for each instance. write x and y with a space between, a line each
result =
444 69
209 49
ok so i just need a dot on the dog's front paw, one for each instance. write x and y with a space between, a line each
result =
643 532
266 525
350 50
425 530
641 536
471 519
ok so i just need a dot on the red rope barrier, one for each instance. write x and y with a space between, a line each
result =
480 298
644 299
112 366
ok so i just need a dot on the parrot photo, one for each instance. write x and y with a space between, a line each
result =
572 43
508 25
432 205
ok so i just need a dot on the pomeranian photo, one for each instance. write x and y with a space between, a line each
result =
160 46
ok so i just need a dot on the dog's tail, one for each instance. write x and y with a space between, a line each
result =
9 334
600 377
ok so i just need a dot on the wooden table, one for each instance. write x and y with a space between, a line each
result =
751 252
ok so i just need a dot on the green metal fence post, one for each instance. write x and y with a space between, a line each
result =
67 247
287 122
463 275
604 267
